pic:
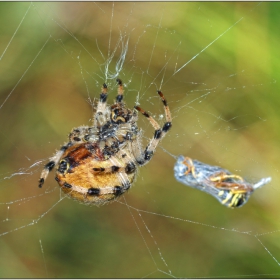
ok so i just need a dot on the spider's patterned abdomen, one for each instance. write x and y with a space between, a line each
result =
85 175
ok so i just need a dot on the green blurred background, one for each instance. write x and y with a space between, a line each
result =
225 108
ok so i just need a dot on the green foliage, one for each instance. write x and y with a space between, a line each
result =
224 102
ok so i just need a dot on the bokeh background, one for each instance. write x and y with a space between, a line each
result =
224 100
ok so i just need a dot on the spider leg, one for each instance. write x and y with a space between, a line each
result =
159 132
101 107
119 97
168 118
78 134
53 161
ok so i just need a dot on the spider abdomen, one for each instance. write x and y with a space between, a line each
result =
92 179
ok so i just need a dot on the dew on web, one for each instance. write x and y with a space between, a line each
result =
217 65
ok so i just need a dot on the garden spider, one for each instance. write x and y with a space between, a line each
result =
100 162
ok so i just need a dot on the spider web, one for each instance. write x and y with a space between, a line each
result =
217 65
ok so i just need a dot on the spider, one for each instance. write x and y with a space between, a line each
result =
100 162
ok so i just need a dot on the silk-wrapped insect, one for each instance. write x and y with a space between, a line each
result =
229 189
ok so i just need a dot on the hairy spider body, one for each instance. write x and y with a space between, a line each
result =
100 163
79 177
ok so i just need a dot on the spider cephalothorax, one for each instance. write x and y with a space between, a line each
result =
100 162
